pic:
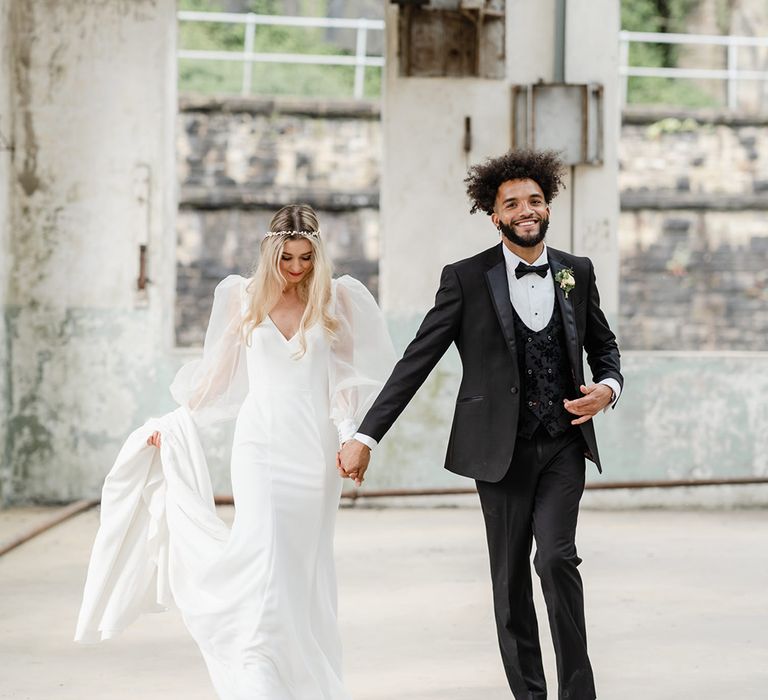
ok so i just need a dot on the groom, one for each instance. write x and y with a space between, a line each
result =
521 314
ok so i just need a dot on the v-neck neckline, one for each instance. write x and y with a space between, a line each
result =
280 333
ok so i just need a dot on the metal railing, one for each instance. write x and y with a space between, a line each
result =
248 56
731 74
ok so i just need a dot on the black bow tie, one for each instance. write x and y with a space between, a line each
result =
522 270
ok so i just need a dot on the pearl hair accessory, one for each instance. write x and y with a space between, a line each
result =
306 234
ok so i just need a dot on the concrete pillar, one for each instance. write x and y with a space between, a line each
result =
425 212
594 191
425 219
5 220
91 178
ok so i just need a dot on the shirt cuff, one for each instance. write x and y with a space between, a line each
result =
615 387
368 441
347 429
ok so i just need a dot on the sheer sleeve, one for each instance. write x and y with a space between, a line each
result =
213 388
362 356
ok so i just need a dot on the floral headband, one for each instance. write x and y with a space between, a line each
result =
306 234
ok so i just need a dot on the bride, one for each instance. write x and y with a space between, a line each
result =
297 358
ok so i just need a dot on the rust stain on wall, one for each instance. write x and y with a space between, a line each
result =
22 41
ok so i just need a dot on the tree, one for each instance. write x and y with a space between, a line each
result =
660 16
226 77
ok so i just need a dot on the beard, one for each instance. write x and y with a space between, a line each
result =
534 240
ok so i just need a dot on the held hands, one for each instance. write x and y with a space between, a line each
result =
352 460
596 398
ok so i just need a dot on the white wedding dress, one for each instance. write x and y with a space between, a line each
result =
259 599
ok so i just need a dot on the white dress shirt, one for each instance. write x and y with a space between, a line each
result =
533 298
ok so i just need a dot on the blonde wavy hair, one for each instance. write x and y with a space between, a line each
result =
267 282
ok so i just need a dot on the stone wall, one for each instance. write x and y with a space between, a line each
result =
241 160
694 233
693 228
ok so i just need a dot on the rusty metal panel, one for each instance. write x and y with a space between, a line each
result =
436 44
452 38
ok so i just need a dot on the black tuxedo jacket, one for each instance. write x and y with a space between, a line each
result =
473 309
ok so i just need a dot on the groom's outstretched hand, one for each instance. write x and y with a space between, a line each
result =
596 398
352 460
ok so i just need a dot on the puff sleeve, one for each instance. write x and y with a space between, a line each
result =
214 387
362 355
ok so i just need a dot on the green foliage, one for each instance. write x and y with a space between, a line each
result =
226 77
671 125
656 15
673 92
661 16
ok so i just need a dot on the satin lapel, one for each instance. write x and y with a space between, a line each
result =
496 277
566 311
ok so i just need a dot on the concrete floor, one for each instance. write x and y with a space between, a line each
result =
677 608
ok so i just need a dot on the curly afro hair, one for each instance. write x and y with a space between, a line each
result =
543 167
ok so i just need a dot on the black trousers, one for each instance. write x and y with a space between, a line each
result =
539 499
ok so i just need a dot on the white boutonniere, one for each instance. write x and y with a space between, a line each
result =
566 279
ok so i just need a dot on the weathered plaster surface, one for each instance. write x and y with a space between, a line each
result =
681 415
88 356
690 415
6 155
76 394
425 221
80 136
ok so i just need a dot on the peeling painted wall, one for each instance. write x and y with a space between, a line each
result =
425 211
5 220
93 102
682 415
87 357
